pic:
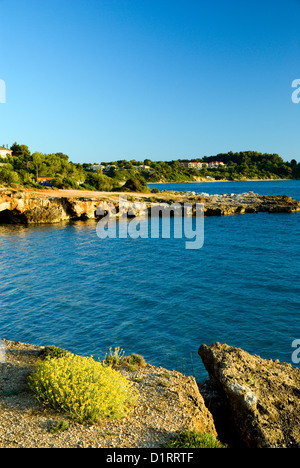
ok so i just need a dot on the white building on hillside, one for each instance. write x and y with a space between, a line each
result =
4 152
97 167
142 168
202 165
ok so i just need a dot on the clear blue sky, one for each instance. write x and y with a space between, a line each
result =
103 80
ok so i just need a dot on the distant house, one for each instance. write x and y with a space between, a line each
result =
141 168
201 165
194 165
96 167
45 181
109 167
213 164
4 152
189 165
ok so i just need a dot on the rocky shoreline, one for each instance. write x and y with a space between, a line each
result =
48 207
248 402
258 398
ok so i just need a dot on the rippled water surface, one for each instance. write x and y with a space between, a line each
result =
265 187
62 285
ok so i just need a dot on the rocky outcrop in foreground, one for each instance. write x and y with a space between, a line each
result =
169 403
259 398
43 207
249 402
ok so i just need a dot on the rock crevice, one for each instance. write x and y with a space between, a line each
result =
261 396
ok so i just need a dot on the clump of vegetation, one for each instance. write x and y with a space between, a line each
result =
114 357
59 426
82 388
135 184
53 352
194 439
117 357
133 361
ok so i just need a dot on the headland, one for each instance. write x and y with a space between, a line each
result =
53 206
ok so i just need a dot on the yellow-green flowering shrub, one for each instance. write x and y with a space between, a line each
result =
83 388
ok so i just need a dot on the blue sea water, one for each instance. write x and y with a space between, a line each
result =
263 187
62 285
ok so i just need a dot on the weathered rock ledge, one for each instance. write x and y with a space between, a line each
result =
259 399
43 207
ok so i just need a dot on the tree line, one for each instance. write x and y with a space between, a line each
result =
24 168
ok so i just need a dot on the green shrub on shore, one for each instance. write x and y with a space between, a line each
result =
82 388
59 426
114 357
117 357
53 352
193 439
134 361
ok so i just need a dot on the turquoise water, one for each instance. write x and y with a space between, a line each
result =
62 285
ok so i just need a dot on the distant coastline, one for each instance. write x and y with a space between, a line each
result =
220 180
20 168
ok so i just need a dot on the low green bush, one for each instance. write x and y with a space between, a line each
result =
53 352
134 360
114 357
194 439
117 358
82 388
59 426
